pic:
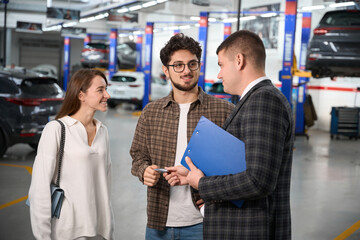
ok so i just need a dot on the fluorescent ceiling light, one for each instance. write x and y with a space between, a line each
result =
138 32
193 18
134 8
230 20
149 4
161 1
69 24
247 18
184 27
122 10
53 28
316 7
343 4
268 15
212 19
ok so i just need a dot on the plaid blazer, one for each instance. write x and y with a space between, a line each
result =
263 120
155 142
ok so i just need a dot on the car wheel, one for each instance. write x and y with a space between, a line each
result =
3 146
111 104
138 105
34 145
315 73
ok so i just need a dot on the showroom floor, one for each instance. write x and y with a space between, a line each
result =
325 198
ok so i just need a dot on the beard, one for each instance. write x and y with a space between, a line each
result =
187 87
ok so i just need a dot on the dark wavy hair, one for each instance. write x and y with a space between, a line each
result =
179 42
80 81
247 43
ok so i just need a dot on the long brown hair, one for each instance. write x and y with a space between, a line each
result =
80 81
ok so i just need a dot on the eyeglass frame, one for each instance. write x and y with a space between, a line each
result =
198 62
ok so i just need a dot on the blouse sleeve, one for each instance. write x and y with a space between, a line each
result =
42 175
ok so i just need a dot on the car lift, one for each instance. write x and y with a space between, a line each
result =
290 64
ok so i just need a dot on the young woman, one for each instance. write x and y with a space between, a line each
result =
86 211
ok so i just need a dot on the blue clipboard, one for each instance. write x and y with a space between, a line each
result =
215 151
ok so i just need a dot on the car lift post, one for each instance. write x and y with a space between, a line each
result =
303 76
139 41
203 33
149 33
285 75
66 62
112 52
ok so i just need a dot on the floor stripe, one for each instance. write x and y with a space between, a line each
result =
29 169
348 231
13 202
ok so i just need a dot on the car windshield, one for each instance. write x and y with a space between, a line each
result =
123 79
96 46
42 87
344 18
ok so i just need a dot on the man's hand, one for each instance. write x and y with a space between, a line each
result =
177 175
151 177
194 175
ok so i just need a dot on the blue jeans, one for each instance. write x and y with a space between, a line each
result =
194 232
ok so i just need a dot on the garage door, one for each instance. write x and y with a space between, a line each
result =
33 53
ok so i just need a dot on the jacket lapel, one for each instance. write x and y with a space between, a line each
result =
242 101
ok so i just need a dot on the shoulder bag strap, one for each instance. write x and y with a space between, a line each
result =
61 150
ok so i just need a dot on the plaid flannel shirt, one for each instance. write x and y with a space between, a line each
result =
155 142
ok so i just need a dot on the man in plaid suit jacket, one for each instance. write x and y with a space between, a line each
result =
264 121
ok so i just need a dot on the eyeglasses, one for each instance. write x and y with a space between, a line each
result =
180 67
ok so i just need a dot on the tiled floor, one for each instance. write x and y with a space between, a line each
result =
325 194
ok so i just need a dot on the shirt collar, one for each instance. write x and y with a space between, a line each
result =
252 84
170 98
72 121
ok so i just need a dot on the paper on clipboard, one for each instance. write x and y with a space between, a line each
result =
215 151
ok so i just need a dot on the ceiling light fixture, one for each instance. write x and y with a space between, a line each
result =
193 18
122 10
310 8
149 4
134 8
268 15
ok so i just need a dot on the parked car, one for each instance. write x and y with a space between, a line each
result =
126 54
46 70
27 103
217 90
334 49
129 87
95 54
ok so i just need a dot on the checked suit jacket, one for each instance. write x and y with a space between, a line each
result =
263 120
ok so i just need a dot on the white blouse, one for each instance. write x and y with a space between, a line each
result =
85 179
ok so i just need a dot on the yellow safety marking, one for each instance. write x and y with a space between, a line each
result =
348 231
13 202
29 169
136 113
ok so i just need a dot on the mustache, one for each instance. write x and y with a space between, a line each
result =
188 75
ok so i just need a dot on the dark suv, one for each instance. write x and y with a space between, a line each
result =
334 49
27 103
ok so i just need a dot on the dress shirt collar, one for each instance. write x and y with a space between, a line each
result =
252 84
